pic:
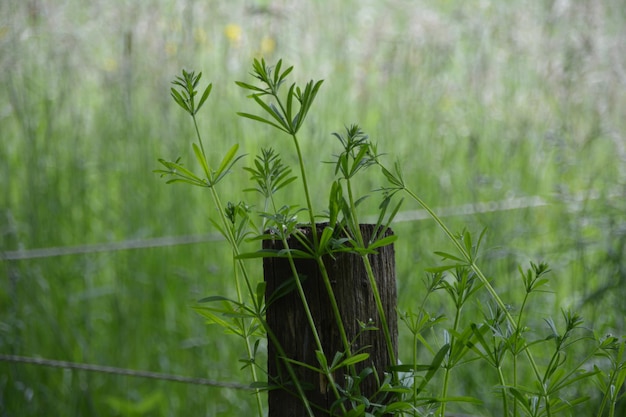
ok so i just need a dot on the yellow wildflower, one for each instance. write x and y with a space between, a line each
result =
233 32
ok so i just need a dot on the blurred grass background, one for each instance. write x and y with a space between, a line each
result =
481 101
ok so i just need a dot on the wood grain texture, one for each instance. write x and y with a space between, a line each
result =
286 317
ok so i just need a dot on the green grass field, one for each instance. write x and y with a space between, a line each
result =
480 101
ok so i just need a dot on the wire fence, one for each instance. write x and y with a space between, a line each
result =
573 203
404 216
109 247
120 371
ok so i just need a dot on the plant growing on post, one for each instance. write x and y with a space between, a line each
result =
287 115
233 225
526 386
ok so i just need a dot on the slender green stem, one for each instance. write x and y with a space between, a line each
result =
514 381
318 257
415 376
259 315
334 306
308 314
450 365
477 271
505 402
306 190
372 279
233 243
381 311
311 322
515 351
235 249
195 125
249 349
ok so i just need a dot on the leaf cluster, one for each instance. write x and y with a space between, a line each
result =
289 117
441 344
186 94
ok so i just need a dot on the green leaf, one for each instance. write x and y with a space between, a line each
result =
272 111
227 159
176 167
358 411
214 318
381 229
351 361
336 359
434 366
559 383
251 87
202 160
178 98
521 399
284 183
260 292
277 70
226 170
205 95
285 288
303 364
486 353
327 235
383 242
461 345
399 405
334 201
394 179
289 108
262 120
214 298
446 255
219 228
442 268
306 100
321 359
285 73
178 170
467 240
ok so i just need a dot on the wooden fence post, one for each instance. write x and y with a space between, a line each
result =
287 320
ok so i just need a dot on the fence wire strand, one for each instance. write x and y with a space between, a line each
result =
405 216
120 371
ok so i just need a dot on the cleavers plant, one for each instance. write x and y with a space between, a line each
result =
526 386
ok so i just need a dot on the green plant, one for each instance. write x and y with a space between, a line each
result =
525 385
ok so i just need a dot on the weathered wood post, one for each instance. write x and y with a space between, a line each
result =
352 290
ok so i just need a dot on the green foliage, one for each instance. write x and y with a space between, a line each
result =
286 117
525 385
500 103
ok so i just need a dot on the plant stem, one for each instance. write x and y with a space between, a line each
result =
249 349
372 279
470 262
318 257
235 249
306 191
505 403
450 365
309 316
195 125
